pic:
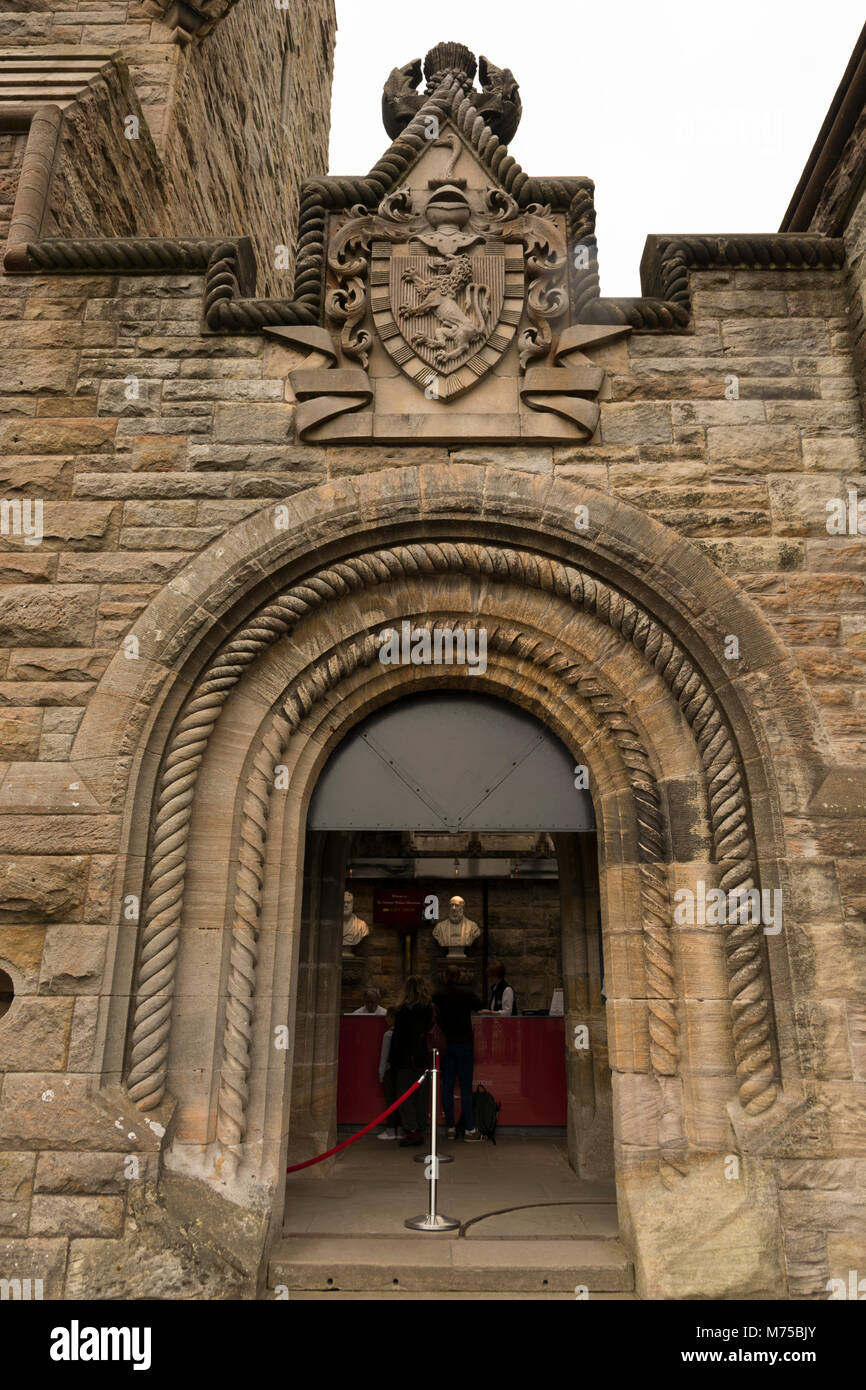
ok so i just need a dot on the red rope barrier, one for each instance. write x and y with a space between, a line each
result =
308 1163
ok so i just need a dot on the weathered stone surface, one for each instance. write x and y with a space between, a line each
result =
831 454
55 747
38 1107
252 423
827 1176
19 734
745 1237
72 960
636 424
754 448
16 568
73 835
527 460
36 1035
100 885
156 567
22 948
47 616
34 371
35 477
799 507
175 1249
16 1176
42 887
35 1259
747 555
53 1215
83 1035
74 664
83 1174
45 693
57 437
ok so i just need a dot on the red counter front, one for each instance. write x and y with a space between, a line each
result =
520 1060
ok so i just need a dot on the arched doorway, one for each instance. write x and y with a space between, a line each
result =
613 641
435 794
454 792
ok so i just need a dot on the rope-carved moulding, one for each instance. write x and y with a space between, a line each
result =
230 270
733 842
306 691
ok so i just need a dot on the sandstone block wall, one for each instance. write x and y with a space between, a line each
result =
146 439
132 488
230 123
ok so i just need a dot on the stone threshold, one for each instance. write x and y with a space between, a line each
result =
431 1264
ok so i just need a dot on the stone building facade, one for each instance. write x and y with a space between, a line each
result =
241 484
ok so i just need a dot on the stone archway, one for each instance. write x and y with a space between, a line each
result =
628 673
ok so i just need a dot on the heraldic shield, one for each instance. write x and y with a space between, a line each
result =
447 319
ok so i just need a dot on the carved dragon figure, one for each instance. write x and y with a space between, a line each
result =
498 101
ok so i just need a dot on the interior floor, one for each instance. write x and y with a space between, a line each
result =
521 1187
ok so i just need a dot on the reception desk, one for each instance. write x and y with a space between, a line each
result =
520 1060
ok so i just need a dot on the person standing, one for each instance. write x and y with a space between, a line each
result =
414 1019
455 1005
503 1000
388 1077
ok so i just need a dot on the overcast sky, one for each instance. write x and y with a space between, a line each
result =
690 117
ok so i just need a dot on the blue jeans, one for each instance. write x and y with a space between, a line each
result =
458 1061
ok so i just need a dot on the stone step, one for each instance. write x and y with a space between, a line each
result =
442 1264
488 1296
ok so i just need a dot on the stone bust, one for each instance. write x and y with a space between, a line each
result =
354 928
456 931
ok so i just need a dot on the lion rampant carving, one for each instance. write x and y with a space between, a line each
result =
460 307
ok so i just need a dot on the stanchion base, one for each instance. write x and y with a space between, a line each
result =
443 1158
432 1223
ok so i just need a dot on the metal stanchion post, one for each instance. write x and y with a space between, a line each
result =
442 1158
433 1220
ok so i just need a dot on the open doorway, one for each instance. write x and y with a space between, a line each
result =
432 796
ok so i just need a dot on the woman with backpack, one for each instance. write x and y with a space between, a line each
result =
408 1057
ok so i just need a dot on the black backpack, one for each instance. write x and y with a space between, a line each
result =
486 1112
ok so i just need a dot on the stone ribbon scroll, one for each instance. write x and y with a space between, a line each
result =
571 390
322 392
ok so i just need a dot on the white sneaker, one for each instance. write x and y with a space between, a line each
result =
387 1134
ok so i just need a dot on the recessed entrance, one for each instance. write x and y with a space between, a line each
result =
610 641
434 796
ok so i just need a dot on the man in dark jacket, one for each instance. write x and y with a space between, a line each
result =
503 1000
455 1006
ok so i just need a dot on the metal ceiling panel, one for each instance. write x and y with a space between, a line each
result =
450 761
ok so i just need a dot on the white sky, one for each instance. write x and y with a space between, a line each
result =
690 117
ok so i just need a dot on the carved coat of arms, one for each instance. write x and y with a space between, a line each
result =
446 298
450 276
447 306
447 284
